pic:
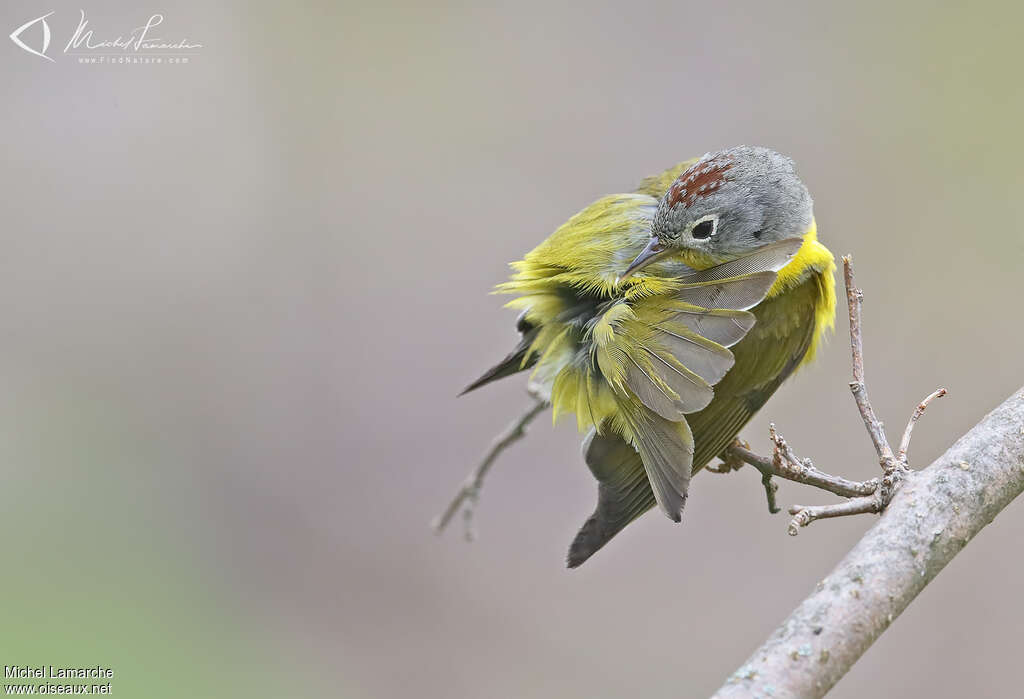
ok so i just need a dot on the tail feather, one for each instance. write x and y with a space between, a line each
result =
512 364
623 494
602 526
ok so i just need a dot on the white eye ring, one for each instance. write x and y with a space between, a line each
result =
705 231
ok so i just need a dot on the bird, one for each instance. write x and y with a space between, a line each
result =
664 318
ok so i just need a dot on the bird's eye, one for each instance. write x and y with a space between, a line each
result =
704 229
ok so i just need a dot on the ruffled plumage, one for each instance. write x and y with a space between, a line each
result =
633 360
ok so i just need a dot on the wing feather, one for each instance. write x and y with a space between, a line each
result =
738 293
722 326
741 283
653 391
666 449
769 258
705 358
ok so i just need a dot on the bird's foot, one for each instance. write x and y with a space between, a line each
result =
729 461
732 459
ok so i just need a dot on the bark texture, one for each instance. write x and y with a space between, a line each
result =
935 513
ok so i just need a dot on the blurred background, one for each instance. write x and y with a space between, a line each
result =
239 296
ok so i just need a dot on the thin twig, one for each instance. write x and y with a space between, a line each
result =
918 412
806 514
854 300
468 493
805 472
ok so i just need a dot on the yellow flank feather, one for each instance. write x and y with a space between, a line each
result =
812 259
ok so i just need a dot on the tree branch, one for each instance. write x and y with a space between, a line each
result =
929 520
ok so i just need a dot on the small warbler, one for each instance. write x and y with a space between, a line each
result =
665 318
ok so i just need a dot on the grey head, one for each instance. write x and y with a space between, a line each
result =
729 203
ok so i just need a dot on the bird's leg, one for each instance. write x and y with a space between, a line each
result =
733 460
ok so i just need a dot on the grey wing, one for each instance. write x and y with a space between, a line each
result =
683 356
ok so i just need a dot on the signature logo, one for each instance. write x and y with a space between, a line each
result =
138 45
16 36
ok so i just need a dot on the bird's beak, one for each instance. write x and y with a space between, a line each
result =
649 254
